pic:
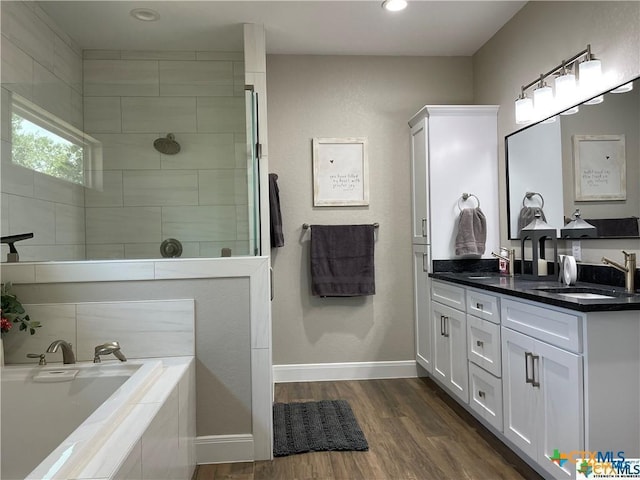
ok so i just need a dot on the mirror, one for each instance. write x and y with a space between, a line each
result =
587 161
104 189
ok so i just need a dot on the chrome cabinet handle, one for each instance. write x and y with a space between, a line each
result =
442 325
424 227
446 326
534 382
479 343
425 267
481 393
526 367
479 306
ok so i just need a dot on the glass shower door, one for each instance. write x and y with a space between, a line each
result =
253 170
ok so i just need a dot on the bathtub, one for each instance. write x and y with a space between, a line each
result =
91 421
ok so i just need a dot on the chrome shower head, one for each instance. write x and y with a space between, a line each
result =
167 145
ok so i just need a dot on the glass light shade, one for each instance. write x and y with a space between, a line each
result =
590 74
595 101
566 88
524 110
543 99
551 119
570 111
627 87
394 5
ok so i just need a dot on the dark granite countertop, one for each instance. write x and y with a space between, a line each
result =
528 289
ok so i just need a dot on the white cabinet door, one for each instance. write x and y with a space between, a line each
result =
543 400
519 404
441 345
456 328
422 306
420 183
450 365
561 397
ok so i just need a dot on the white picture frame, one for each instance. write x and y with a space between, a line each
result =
599 167
340 172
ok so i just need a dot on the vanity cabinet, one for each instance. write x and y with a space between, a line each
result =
542 377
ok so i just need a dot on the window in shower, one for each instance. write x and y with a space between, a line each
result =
42 142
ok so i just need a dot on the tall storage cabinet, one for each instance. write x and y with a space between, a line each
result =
454 150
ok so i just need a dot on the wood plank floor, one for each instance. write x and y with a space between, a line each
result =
415 432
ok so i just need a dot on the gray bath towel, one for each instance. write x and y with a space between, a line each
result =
528 215
275 216
342 260
472 232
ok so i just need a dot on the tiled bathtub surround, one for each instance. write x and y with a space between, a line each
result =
198 196
160 328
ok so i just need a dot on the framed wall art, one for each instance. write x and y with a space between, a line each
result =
340 172
599 167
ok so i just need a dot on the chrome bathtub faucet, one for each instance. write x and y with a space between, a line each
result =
67 351
106 349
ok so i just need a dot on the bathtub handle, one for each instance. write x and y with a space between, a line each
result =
41 356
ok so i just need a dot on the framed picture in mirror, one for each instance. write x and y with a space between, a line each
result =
599 167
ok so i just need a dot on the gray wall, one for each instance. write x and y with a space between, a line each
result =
535 40
332 96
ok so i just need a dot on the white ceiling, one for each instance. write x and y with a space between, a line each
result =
425 28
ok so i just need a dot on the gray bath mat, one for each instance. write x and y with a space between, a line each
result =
315 426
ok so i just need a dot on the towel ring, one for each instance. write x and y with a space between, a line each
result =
528 195
465 197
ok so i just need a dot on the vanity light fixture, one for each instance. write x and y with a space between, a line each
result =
145 14
579 74
394 5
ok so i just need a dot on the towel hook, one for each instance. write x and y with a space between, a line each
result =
529 195
466 196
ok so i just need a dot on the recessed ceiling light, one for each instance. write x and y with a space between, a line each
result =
394 5
145 14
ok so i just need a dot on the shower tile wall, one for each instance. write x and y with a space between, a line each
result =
198 196
43 65
128 99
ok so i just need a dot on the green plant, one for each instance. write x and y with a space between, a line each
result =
12 311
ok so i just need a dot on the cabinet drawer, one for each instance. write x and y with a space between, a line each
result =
561 329
448 294
485 395
483 344
483 305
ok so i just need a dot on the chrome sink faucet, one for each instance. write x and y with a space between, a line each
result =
106 349
629 269
67 351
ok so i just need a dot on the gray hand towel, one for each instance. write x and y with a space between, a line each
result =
528 215
342 260
472 232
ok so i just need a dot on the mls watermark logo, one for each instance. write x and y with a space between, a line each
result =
599 465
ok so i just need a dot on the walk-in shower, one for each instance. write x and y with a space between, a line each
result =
145 147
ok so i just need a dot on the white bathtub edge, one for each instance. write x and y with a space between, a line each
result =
135 406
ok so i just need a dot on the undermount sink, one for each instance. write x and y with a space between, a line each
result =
588 293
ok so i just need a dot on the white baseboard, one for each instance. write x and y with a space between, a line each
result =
317 372
224 448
